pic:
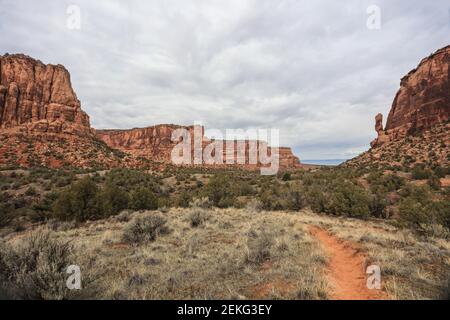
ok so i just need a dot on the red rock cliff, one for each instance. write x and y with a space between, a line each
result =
35 97
37 103
152 142
422 102
156 143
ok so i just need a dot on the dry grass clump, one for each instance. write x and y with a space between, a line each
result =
254 205
198 217
35 268
203 203
259 246
145 229
199 212
56 225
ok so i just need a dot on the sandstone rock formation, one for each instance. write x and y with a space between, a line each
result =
417 129
155 143
41 123
382 136
422 102
152 142
35 97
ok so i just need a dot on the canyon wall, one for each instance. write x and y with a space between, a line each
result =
422 102
35 97
156 143
41 122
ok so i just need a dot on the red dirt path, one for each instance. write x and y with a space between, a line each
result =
346 270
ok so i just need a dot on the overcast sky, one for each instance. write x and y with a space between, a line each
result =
312 69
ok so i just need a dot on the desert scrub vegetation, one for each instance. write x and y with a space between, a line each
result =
211 262
145 229
198 216
417 210
35 268
362 193
143 199
339 197
221 191
90 194
259 246
85 200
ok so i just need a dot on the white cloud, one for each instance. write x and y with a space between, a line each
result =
311 69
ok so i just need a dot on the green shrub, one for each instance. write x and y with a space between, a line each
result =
286 176
184 199
111 200
270 199
440 172
5 210
78 202
46 204
420 173
143 199
145 229
83 200
377 205
434 182
317 199
350 200
441 211
220 191
30 192
374 177
392 182
413 213
128 178
418 209
294 198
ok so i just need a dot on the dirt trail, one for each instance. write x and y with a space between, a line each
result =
346 269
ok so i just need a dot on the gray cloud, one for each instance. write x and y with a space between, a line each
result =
311 69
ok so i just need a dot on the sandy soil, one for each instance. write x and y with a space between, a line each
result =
346 270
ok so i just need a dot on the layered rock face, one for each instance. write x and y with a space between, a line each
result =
418 128
422 102
288 159
156 143
41 123
152 142
35 97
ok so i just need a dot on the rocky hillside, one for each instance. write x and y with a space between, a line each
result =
42 123
417 128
